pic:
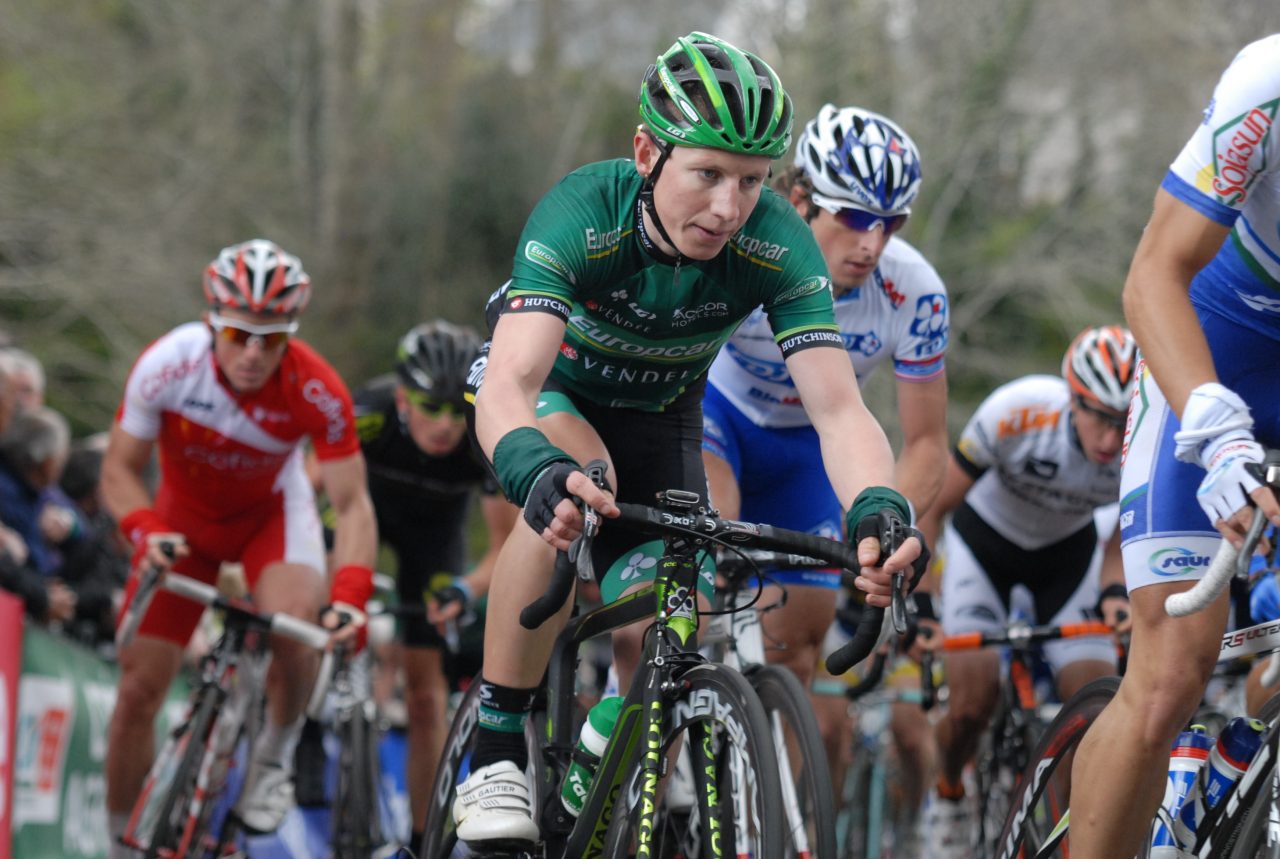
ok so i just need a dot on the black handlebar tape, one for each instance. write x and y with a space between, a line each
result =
864 641
538 612
872 679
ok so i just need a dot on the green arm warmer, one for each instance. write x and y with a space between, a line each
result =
872 500
519 457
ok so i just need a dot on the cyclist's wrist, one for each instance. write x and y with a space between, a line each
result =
870 502
460 582
352 585
1213 416
520 457
140 524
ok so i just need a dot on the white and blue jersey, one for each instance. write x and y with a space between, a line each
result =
753 417
1229 171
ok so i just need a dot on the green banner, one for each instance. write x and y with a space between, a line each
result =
65 697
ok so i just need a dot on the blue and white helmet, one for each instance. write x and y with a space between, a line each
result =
854 157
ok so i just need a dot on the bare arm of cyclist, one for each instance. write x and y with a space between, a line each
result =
523 350
355 537
922 413
356 533
500 516
956 483
855 451
1177 243
125 494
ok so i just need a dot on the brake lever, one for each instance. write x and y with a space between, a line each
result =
590 524
898 606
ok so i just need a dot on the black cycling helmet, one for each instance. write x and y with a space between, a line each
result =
433 358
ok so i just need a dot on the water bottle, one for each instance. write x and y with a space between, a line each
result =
1190 750
591 743
1228 760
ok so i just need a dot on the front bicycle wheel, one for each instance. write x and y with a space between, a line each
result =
1002 757
356 832
807 795
731 803
160 815
1036 825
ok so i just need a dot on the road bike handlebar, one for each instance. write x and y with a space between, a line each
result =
310 634
680 518
1023 635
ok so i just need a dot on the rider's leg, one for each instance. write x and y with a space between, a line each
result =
147 667
426 699
794 631
914 741
298 590
973 684
268 793
1124 756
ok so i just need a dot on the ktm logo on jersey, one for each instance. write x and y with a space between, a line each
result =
1027 420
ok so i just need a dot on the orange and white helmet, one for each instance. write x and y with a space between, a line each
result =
258 276
1101 364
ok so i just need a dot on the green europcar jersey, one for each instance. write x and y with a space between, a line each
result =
639 332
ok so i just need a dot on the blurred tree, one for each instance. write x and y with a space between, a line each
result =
398 145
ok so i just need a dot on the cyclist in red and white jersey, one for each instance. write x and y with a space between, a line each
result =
229 401
1203 300
1038 459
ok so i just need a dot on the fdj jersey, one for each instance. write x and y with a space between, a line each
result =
640 332
900 314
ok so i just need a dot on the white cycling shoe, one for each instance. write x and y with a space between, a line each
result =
950 827
267 797
493 804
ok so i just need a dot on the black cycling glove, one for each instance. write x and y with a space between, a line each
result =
548 490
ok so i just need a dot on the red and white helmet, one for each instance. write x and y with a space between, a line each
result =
258 276
1102 364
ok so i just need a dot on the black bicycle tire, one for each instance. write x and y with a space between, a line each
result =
780 692
1062 735
180 789
854 816
439 835
997 776
353 806
716 691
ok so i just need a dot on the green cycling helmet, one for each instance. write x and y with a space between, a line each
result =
705 92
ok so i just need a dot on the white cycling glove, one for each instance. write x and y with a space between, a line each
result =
1217 434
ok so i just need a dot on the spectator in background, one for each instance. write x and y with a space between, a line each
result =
26 374
96 562
33 452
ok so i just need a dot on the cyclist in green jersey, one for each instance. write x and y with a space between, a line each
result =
628 278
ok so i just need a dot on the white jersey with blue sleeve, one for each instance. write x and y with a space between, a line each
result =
1229 171
899 313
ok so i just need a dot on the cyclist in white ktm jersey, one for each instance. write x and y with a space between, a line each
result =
855 176
1038 458
1203 299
